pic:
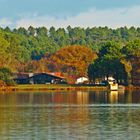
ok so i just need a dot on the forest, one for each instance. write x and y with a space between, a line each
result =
94 52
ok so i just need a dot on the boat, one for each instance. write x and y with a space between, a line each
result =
113 86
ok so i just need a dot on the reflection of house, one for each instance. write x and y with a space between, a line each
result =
81 80
113 97
38 78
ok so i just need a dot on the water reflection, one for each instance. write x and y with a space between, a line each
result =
113 97
71 115
69 98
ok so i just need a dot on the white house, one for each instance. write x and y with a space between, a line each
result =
110 80
81 80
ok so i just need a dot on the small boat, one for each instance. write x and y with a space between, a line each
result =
113 86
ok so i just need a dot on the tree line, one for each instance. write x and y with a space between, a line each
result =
95 52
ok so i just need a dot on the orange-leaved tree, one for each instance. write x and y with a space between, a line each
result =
71 60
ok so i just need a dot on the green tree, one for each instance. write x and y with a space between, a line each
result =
31 31
131 52
42 31
108 63
6 76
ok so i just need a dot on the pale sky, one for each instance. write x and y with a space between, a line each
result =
61 13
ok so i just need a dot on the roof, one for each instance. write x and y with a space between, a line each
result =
24 75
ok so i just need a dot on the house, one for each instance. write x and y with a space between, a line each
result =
110 80
81 80
38 78
22 78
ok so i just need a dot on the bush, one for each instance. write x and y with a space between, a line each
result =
6 76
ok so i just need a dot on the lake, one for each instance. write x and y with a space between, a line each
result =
82 115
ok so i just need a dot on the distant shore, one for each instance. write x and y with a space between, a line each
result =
58 87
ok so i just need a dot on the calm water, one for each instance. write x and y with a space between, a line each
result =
80 115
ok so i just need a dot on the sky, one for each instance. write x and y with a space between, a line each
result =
76 13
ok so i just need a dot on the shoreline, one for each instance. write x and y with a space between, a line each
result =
51 87
58 87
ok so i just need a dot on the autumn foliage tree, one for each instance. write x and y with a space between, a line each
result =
70 60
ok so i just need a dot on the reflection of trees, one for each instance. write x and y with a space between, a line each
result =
69 98
74 97
114 121
135 96
8 109
132 96
98 97
128 97
70 118
82 97
69 114
20 119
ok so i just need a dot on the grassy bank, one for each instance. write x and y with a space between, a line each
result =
58 87
52 87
